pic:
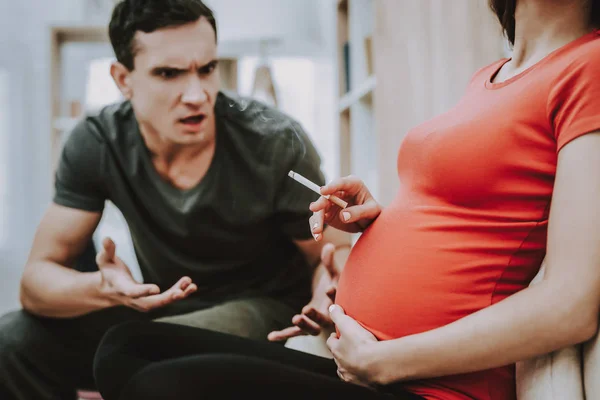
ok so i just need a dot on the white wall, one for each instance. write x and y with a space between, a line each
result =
294 24
24 50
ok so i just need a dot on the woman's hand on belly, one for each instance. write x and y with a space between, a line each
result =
351 347
362 208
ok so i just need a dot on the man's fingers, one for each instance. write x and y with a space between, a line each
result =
178 290
327 254
331 291
155 301
190 289
179 294
141 290
107 254
286 333
306 324
318 317
174 293
182 283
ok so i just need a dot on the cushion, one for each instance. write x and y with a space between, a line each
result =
591 368
553 376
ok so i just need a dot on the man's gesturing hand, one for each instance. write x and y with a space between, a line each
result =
121 288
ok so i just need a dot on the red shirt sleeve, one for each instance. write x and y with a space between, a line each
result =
574 100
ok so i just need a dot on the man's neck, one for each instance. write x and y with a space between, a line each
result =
182 165
543 26
167 152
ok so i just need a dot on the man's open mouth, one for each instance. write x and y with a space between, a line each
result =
194 119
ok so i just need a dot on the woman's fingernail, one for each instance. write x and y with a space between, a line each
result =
315 226
346 216
331 308
317 236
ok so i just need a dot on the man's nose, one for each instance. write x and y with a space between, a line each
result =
194 93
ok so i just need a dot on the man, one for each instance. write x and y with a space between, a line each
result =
219 230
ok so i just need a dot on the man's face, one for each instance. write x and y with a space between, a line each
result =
175 81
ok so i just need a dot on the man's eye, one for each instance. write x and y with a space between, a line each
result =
168 73
208 69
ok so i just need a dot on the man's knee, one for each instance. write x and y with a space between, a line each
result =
252 318
117 339
17 335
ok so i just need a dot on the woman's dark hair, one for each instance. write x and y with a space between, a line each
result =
130 16
505 11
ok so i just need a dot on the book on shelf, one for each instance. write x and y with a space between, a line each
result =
347 65
369 55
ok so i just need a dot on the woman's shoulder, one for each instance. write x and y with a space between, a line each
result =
585 54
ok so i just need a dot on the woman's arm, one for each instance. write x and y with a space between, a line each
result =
559 311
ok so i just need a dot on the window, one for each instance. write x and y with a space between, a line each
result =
305 91
100 90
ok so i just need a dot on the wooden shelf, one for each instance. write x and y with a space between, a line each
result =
357 83
365 90
60 36
79 33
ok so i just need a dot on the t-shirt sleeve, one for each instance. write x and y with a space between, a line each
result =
79 179
293 199
574 100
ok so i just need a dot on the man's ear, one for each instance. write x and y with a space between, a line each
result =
122 77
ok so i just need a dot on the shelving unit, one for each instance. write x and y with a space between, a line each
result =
357 83
59 37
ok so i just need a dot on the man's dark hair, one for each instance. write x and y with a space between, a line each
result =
505 11
130 16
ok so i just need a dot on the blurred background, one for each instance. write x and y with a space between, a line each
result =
357 74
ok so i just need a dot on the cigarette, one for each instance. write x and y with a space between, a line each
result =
315 188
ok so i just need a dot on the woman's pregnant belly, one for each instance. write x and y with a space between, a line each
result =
419 268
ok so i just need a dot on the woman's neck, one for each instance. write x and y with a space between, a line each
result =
543 26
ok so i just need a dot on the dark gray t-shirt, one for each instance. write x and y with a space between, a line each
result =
232 233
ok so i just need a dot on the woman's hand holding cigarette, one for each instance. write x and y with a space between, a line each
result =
362 208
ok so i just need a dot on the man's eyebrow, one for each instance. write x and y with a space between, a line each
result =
167 66
175 66
210 63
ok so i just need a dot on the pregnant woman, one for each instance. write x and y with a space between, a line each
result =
434 301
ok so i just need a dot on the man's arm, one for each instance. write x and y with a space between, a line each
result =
328 256
48 286
312 250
